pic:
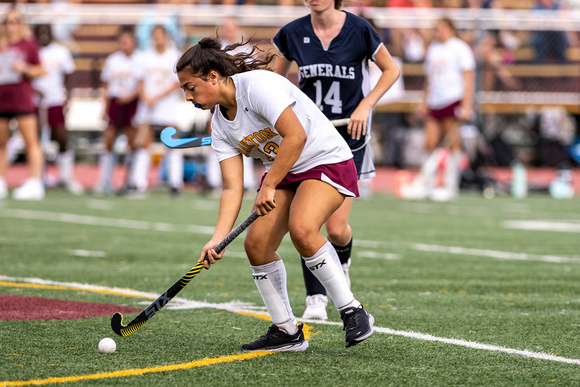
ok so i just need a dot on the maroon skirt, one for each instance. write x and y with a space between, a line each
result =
342 176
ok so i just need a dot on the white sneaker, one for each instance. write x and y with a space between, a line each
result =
32 189
316 307
74 187
442 194
3 189
345 267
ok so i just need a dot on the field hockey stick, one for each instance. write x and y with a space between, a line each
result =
194 142
159 303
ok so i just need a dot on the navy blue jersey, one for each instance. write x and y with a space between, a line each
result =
336 78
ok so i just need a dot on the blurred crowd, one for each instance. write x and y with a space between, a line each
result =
140 89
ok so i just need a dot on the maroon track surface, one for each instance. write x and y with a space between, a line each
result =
38 308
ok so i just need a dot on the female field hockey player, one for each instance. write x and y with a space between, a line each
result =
332 49
20 63
120 76
309 172
447 99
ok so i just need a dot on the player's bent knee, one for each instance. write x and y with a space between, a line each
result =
304 239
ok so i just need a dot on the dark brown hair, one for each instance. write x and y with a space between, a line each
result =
208 55
449 22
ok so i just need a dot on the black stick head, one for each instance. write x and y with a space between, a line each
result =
117 323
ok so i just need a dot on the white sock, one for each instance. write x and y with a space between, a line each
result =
271 282
453 172
140 169
105 169
65 163
325 265
175 168
214 177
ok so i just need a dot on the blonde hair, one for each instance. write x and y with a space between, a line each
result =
25 32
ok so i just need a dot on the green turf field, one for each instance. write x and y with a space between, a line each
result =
461 292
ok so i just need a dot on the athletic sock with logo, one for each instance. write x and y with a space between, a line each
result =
325 265
271 282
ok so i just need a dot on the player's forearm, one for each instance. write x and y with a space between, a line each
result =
230 205
33 71
387 79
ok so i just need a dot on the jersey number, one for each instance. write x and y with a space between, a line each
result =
332 97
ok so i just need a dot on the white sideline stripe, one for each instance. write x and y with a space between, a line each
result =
475 252
542 225
88 253
158 226
472 344
248 307
99 221
373 254
493 253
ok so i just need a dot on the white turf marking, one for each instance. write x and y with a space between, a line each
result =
97 204
542 225
158 226
492 253
373 254
234 306
107 222
475 252
88 253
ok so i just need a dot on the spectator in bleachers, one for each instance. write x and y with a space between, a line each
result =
409 43
52 96
493 56
169 21
120 76
448 98
159 97
550 45
20 59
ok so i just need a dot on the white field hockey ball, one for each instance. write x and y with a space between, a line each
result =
107 345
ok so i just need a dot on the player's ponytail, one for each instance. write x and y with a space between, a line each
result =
208 55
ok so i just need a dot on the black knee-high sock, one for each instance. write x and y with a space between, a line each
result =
344 251
313 285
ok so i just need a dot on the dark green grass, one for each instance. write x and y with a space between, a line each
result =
526 305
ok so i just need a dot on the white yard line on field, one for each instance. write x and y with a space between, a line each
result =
542 225
168 227
506 255
88 253
239 307
374 254
100 221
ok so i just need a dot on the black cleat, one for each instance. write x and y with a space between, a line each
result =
278 340
358 324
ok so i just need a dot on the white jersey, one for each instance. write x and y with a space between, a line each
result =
58 62
159 76
445 65
122 73
261 97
